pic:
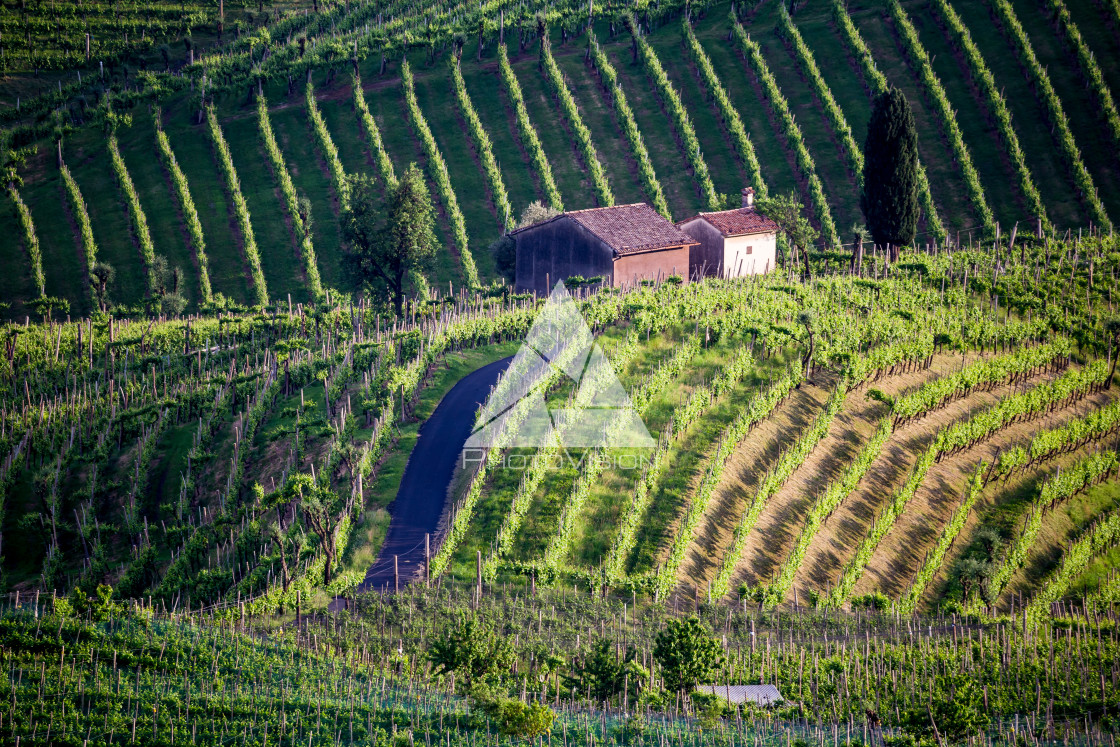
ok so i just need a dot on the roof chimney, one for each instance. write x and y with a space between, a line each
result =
748 197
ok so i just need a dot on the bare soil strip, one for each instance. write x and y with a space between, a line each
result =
903 550
998 493
772 540
744 471
841 533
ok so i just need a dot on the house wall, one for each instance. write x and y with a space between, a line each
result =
750 255
707 256
557 250
629 269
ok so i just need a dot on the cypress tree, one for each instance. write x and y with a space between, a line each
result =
890 172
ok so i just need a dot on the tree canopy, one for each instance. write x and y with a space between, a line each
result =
687 653
786 211
383 249
472 650
890 172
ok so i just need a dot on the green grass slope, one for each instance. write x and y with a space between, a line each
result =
85 149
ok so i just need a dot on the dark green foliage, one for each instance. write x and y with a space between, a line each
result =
874 601
470 649
687 653
603 673
380 253
980 562
890 172
956 712
322 512
786 211
167 293
513 717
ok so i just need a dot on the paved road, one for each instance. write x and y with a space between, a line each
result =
423 492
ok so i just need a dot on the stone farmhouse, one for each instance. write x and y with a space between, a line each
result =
627 244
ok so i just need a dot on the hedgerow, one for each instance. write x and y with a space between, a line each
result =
437 168
727 110
291 200
948 118
31 241
528 133
482 146
1059 123
568 106
135 211
878 83
81 213
792 131
327 146
373 133
835 116
984 78
190 213
630 130
681 121
240 207
1090 68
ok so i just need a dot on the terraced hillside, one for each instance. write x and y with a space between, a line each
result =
690 112
920 434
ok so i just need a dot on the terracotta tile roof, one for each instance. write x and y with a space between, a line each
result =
737 222
627 229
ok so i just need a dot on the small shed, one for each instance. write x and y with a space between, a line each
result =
624 245
732 243
736 694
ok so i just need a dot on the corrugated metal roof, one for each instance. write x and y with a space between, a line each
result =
760 694
627 229
737 222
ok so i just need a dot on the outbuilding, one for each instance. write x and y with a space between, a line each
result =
732 243
623 245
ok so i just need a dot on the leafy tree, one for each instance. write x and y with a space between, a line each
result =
472 650
535 212
687 653
305 218
602 672
512 717
45 306
284 538
102 276
322 513
99 607
890 172
380 253
974 574
167 295
786 211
